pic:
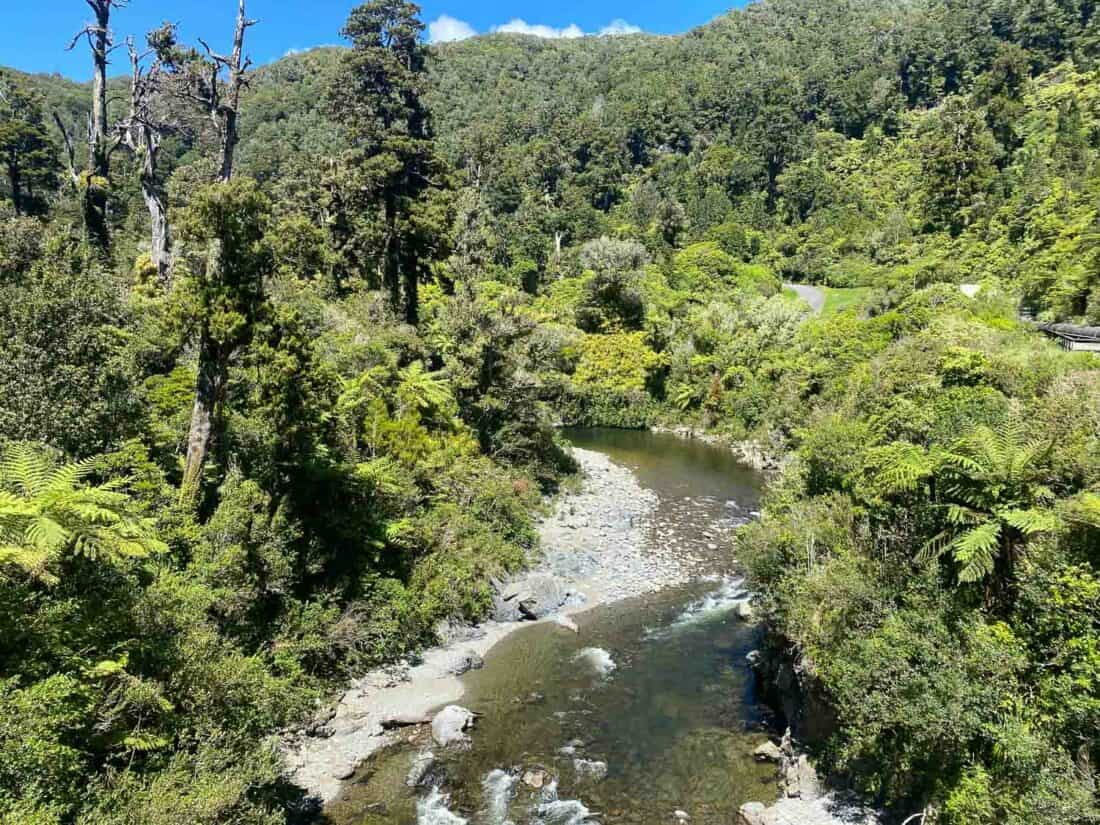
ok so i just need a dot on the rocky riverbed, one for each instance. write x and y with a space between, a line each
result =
596 549
610 542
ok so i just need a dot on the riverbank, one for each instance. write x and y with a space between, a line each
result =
595 550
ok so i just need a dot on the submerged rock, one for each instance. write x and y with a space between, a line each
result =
767 752
592 770
567 623
451 723
421 765
535 778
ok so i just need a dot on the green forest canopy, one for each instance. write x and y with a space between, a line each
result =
355 317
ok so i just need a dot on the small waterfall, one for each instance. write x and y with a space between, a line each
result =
598 659
498 788
433 810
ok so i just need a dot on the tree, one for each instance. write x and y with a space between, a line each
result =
141 133
377 96
94 186
226 224
223 97
26 151
994 501
957 153
989 494
47 510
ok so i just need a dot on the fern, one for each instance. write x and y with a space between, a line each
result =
422 390
993 500
47 510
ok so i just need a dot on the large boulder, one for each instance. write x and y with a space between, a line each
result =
534 597
451 723
464 662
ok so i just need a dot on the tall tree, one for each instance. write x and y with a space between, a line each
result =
225 224
141 133
377 96
26 152
95 184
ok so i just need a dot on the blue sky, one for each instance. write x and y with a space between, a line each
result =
37 32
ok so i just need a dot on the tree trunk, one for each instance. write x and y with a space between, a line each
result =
99 156
412 295
160 233
16 182
210 388
391 267
209 394
237 67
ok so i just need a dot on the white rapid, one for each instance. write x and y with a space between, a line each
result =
498 789
729 593
433 810
554 811
598 659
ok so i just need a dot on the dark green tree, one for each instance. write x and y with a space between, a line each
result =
225 226
26 151
391 165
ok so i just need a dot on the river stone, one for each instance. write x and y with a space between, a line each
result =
541 595
420 766
752 813
451 723
745 612
343 772
465 662
590 769
534 778
767 752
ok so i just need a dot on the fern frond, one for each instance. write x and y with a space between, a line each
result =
1031 521
976 551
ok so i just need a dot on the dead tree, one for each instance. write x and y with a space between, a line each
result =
222 99
95 184
141 132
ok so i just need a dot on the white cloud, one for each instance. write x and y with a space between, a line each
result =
619 26
446 29
518 26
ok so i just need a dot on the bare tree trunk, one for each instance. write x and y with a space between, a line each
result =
224 110
160 236
142 137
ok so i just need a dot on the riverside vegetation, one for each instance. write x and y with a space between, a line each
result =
280 358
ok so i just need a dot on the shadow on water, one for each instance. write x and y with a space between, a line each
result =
655 691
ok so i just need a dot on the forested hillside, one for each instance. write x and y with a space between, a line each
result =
281 352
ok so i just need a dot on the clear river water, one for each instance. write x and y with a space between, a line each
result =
645 716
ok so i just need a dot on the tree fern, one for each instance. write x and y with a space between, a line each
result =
422 390
47 510
992 501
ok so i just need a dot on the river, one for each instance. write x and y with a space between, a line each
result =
646 715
